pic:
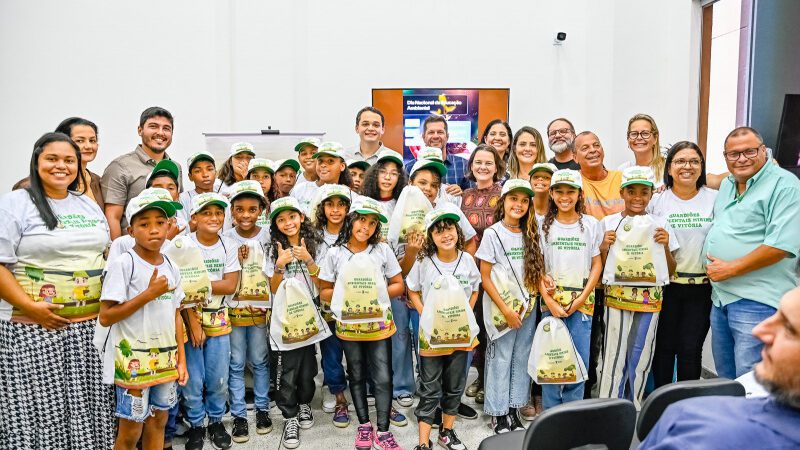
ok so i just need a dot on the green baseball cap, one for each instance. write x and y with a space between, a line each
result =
312 141
197 157
568 177
547 167
391 155
366 205
260 163
283 204
435 164
166 167
205 199
281 163
330 148
439 214
515 184
150 198
638 175
360 164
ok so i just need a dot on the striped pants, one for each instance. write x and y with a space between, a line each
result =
630 339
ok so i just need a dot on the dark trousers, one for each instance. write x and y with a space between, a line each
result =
682 328
442 379
595 341
294 378
479 352
365 358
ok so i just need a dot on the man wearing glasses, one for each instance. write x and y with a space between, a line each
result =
751 249
560 139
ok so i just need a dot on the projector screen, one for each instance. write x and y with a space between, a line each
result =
467 112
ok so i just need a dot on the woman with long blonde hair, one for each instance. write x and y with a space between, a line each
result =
643 140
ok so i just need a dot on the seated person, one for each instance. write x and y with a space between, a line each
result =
736 422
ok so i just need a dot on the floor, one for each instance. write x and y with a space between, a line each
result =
323 435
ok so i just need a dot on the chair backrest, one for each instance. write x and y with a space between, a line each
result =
598 421
657 402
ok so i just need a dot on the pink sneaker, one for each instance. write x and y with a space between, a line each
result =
364 437
385 441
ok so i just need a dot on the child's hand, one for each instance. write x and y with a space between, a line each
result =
661 237
554 307
173 229
608 240
512 318
243 252
240 168
300 252
415 241
183 374
284 257
196 335
454 190
159 285
549 284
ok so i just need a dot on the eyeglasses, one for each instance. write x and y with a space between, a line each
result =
563 131
386 173
633 135
684 162
749 153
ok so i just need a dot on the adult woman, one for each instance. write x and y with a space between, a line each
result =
527 150
498 134
52 240
688 205
84 133
643 141
484 170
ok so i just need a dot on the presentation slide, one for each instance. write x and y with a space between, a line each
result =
458 106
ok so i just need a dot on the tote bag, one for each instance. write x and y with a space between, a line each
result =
554 358
447 319
360 294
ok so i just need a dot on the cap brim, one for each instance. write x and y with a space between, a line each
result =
439 166
300 146
168 208
268 169
642 182
566 183
201 158
289 163
363 165
526 190
539 169
219 203
280 209
394 159
243 151
335 194
452 216
366 212
325 152
250 193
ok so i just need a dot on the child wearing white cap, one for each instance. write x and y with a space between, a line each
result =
331 169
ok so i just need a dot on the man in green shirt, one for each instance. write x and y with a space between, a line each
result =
751 249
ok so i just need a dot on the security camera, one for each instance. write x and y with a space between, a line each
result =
560 38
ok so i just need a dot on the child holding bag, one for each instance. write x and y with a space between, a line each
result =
511 244
443 370
248 336
570 243
367 275
637 252
293 254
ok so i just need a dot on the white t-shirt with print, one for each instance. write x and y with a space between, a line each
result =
337 257
187 196
124 243
496 238
152 325
690 221
425 272
220 258
76 244
568 251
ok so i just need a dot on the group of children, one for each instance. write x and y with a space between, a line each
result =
315 231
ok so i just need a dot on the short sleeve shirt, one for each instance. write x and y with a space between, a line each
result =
220 259
506 248
603 197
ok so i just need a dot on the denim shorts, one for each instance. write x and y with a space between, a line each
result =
158 397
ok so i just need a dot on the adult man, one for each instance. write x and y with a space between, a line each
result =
560 139
737 422
126 176
370 129
434 134
751 249
600 185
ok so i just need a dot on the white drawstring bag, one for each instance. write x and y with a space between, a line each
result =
360 294
408 215
447 319
511 294
636 259
554 358
195 282
253 283
295 321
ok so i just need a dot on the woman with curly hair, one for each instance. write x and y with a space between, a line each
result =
512 242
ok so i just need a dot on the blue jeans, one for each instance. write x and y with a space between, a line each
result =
402 365
735 348
249 345
508 384
333 374
208 368
580 328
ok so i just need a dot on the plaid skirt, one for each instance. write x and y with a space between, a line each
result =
51 393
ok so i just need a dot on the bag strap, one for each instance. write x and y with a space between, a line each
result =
133 267
460 255
509 262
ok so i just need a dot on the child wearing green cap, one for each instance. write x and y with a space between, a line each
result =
165 175
202 172
141 300
305 150
330 168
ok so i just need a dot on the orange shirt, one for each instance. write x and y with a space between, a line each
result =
603 197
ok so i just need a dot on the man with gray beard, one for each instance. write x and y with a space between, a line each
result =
560 139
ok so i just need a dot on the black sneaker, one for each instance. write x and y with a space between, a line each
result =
291 433
422 447
305 417
437 418
220 439
449 440
467 412
513 420
263 422
500 424
240 432
194 438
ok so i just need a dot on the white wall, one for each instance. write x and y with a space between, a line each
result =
310 65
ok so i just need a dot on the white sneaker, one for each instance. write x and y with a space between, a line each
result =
370 400
404 400
328 400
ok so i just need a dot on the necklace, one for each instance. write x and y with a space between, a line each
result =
513 227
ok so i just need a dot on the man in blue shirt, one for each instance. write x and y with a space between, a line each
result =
740 423
434 134
751 248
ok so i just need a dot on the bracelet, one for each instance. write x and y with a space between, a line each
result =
279 270
315 272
